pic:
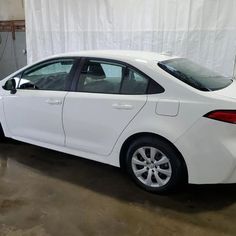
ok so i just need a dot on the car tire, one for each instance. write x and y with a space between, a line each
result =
155 165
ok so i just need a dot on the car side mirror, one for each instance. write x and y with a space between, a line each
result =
13 89
10 85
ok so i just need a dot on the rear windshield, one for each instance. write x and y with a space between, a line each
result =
195 75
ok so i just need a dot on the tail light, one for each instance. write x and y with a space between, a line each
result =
223 115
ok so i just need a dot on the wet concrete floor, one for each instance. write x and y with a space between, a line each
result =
47 193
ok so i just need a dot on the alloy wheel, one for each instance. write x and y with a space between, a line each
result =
151 166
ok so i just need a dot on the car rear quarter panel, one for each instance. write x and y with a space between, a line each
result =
207 146
210 151
170 125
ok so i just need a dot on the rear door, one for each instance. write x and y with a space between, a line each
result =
106 98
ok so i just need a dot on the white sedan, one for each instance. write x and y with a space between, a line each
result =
164 119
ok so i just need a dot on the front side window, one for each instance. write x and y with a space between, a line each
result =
195 75
100 77
48 76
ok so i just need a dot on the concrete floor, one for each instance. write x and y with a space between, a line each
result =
45 193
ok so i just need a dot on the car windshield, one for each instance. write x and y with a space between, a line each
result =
195 75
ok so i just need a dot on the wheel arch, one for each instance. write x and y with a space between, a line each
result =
135 136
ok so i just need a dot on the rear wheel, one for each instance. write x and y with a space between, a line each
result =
154 164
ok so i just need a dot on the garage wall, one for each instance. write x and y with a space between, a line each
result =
12 10
11 53
203 30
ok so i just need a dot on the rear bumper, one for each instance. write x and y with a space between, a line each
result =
209 150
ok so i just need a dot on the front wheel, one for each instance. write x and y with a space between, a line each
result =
154 164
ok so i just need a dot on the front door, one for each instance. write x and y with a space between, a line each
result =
34 112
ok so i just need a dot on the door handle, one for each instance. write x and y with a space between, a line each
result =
54 102
122 106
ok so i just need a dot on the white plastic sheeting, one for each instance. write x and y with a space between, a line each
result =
202 30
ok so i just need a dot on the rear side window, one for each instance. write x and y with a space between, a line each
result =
134 83
110 77
100 77
195 75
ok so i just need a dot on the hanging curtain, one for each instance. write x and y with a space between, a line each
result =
202 30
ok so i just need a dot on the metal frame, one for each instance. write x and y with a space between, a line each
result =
12 26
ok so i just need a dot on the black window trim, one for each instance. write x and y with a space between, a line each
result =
41 64
127 66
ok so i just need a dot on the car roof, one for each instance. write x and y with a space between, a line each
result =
120 55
